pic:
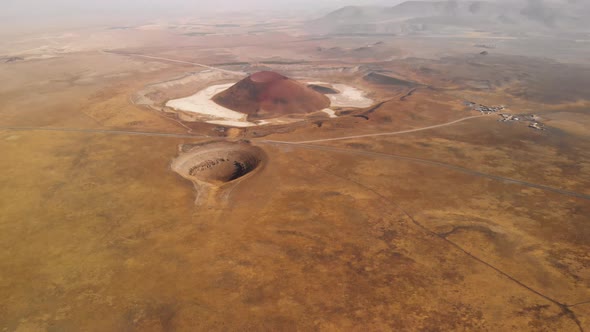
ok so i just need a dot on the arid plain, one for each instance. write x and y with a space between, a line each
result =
416 213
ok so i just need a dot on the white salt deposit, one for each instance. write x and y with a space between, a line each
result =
232 123
349 97
330 112
201 103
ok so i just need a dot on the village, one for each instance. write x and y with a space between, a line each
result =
532 119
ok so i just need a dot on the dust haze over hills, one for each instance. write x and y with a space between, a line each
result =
343 16
34 15
12 9
26 15
447 16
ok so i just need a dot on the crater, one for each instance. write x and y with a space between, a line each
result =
217 163
323 89
389 80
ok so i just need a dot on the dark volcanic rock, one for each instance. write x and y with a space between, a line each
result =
268 94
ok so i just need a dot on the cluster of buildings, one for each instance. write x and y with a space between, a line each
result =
537 126
483 109
531 118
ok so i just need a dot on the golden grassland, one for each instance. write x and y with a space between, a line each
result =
97 233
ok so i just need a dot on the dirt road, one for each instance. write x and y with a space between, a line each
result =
180 61
380 134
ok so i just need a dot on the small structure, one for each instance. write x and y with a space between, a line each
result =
531 118
483 109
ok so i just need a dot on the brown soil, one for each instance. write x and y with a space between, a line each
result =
268 94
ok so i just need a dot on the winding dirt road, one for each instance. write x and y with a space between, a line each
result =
179 61
380 134
306 145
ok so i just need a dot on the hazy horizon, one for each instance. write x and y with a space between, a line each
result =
30 15
60 8
34 9
35 14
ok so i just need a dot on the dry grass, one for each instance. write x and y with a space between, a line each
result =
98 233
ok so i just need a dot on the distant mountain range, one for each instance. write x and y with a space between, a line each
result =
414 17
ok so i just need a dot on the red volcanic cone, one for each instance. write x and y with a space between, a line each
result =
267 94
